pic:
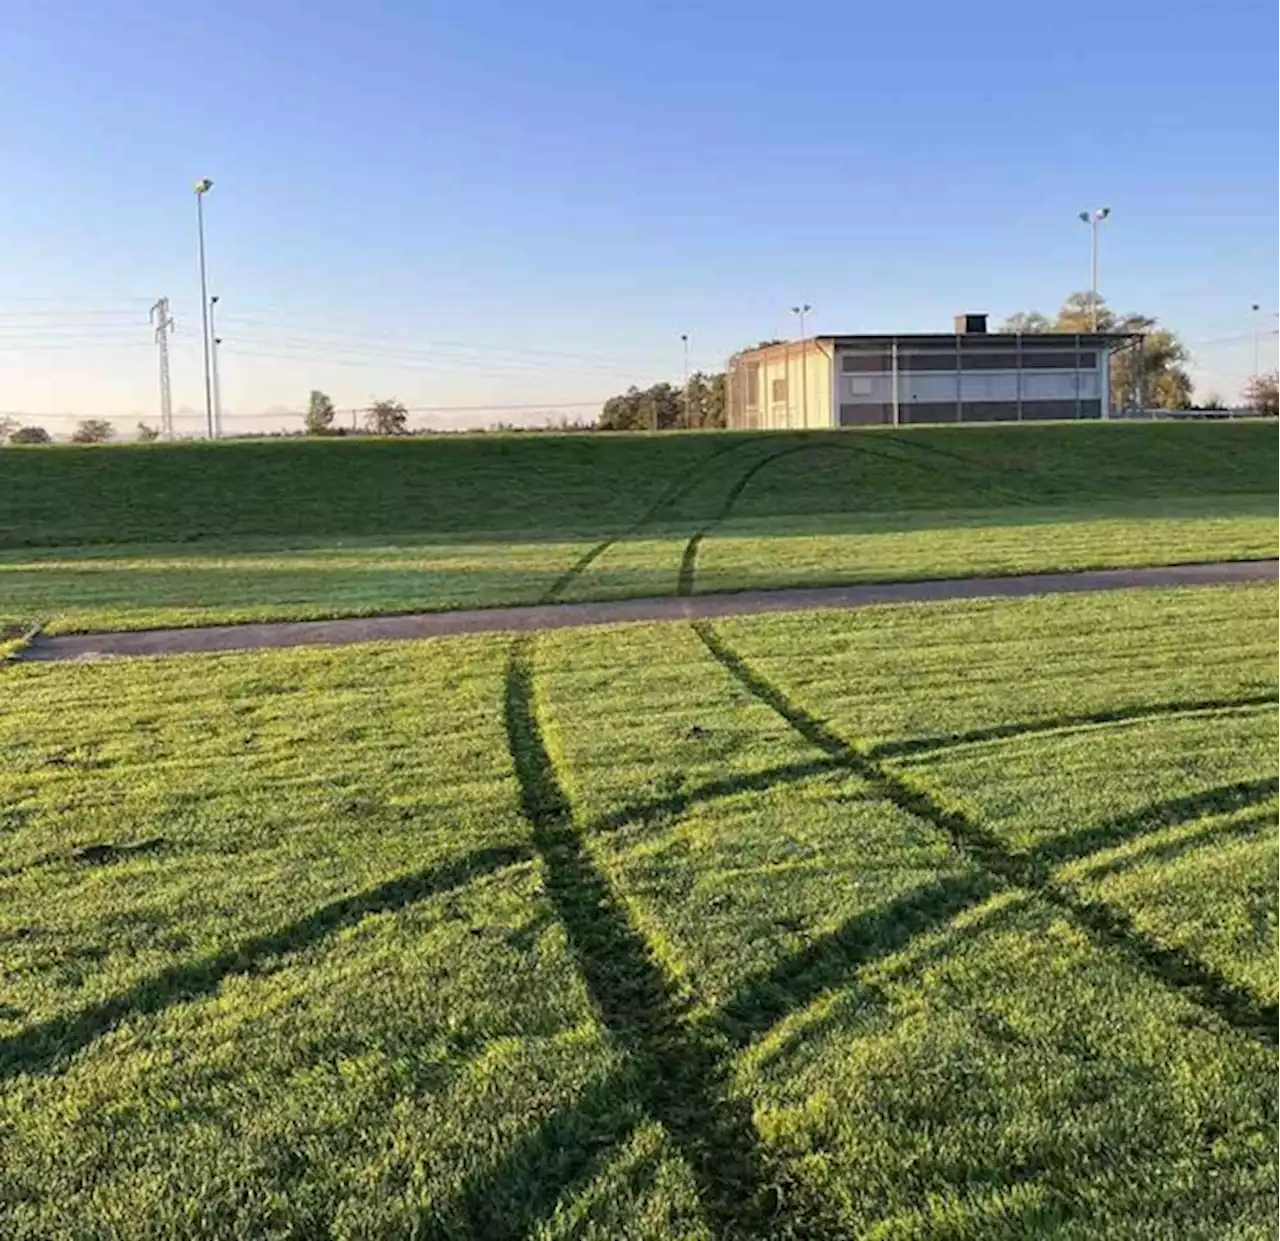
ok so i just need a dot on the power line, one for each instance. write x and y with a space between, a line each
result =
389 360
486 348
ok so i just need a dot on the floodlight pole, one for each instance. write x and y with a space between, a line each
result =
802 312
214 342
203 186
684 340
1093 219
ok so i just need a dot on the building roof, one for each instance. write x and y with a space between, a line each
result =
967 340
1002 340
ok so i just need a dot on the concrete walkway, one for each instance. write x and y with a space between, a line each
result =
672 608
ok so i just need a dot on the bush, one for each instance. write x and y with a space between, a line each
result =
30 435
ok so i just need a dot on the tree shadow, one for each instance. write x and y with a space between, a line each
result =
49 1045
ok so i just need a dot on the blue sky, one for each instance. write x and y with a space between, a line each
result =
486 203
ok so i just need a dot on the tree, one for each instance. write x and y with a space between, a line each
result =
1212 401
659 408
30 435
1165 382
715 412
320 411
703 401
622 413
386 418
1262 393
92 431
1026 321
663 406
147 434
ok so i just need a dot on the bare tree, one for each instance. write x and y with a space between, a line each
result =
146 434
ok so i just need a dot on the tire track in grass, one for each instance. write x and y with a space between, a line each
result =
47 1046
678 1073
1113 929
679 487
689 557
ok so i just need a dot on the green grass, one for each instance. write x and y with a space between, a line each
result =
147 536
949 921
148 588
558 485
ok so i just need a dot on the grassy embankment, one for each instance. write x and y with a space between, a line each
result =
145 536
931 921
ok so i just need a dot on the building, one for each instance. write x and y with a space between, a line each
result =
969 375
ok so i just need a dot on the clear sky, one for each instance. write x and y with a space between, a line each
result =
489 203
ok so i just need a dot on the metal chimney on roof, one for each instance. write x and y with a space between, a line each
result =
971 325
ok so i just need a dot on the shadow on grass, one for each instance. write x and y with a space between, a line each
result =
829 960
48 1045
1153 817
689 558
900 452
1062 723
506 1199
1113 929
678 1074
1212 833
677 803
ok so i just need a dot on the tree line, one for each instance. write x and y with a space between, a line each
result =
87 431
701 403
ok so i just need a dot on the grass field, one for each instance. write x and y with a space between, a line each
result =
150 536
949 921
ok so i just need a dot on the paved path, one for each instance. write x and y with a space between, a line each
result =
671 608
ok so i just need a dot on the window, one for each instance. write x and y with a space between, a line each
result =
753 385
852 363
989 360
778 391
